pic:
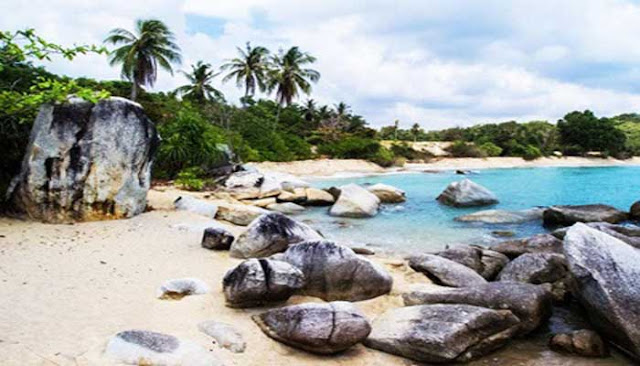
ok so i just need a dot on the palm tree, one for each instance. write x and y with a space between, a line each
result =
288 75
309 110
415 131
249 69
199 87
141 54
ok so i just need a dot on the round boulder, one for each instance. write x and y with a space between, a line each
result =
355 201
466 193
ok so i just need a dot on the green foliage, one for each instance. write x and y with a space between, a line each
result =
461 149
490 149
531 153
350 148
190 180
585 132
383 157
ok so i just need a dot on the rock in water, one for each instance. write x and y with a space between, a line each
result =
445 272
535 268
634 212
442 333
143 347
178 288
502 216
324 328
86 162
287 208
530 303
583 342
217 238
387 193
269 234
198 206
569 215
607 277
256 282
466 193
334 272
318 197
355 201
225 335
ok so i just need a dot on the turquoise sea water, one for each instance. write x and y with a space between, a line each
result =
422 224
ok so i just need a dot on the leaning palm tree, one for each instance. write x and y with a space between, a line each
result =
249 69
289 76
151 46
199 88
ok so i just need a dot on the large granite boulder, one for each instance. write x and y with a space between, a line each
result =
355 201
487 263
502 216
535 268
323 328
86 161
335 272
607 277
541 243
530 303
569 214
466 193
582 342
256 282
269 234
443 271
387 193
442 333
629 234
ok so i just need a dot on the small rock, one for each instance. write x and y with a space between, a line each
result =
176 289
262 202
583 342
287 208
200 207
238 214
445 272
217 239
503 233
244 179
387 193
318 197
363 251
502 216
466 193
299 195
225 335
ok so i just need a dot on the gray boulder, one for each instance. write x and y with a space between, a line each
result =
287 208
387 193
535 268
269 234
225 335
355 201
195 205
607 275
530 303
629 234
256 282
445 272
318 197
541 243
324 328
244 179
85 162
335 272
487 263
634 211
583 342
442 333
466 193
570 214
178 288
502 216
217 238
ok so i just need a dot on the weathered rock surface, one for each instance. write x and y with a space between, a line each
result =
445 272
197 206
244 179
261 202
217 238
238 214
298 195
334 272
569 215
86 162
634 211
324 328
287 208
607 275
143 347
466 193
487 263
530 303
225 335
541 243
629 234
502 216
535 268
355 201
269 234
387 193
319 197
178 288
442 333
256 282
583 342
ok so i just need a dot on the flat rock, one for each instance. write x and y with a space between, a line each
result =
269 234
261 202
287 208
319 197
355 201
387 193
485 262
178 288
530 303
442 333
217 238
466 193
445 272
541 243
256 282
335 272
239 214
224 335
197 206
570 214
535 268
324 328
583 342
503 216
607 274
298 195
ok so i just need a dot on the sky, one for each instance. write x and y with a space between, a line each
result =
437 63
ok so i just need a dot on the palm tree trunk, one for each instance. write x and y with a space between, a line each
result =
134 91
275 127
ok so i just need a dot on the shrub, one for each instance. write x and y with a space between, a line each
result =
351 148
461 149
384 157
190 180
490 149
531 153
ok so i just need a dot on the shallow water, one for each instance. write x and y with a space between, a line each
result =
422 224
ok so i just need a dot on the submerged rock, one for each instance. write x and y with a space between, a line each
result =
225 335
176 289
444 271
86 161
485 262
355 201
583 342
442 333
607 274
238 214
535 268
387 193
530 303
324 328
197 206
318 197
466 193
541 243
269 234
569 214
502 216
256 282
217 238
334 272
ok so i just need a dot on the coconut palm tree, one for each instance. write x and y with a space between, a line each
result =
288 75
309 110
151 46
199 87
249 69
